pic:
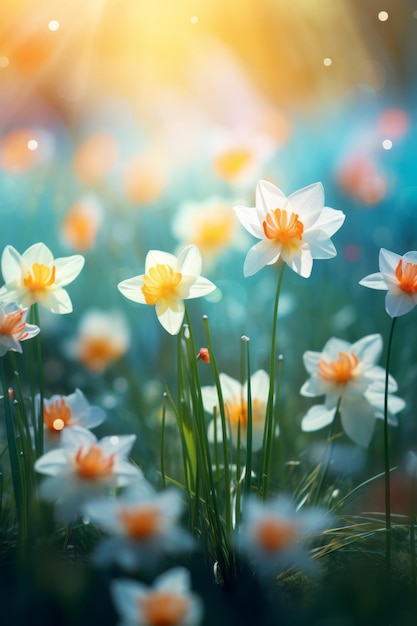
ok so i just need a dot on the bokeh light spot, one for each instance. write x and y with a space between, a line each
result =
383 16
387 144
53 25
32 144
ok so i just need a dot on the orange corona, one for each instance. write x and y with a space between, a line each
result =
407 276
93 464
57 415
283 227
274 534
163 608
140 522
340 370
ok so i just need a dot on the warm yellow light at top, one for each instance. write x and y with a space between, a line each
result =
383 16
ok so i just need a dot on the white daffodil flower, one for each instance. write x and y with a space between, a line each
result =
397 276
167 282
35 276
169 601
61 412
296 229
83 468
13 328
348 372
273 534
236 408
141 525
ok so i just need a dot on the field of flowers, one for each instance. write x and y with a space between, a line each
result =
207 316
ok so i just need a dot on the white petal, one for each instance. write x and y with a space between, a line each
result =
268 197
302 263
176 580
52 462
410 257
308 203
358 419
333 346
259 385
261 254
310 360
330 220
57 301
388 261
399 303
38 253
231 388
374 281
126 595
117 444
131 288
210 398
368 349
317 417
67 269
248 217
201 287
74 438
11 264
321 246
171 319
190 261
159 257
312 388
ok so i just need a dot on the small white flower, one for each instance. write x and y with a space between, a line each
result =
142 525
397 276
348 372
35 276
296 229
83 468
61 412
236 408
13 328
272 534
169 601
167 282
102 338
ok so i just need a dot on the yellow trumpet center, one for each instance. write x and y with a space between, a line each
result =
237 412
40 277
340 370
161 283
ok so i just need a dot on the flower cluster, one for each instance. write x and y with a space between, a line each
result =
231 438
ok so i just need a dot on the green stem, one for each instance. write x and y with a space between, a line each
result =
269 416
324 466
248 469
16 463
164 409
387 461
36 370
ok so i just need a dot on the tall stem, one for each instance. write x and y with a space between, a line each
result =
387 461
269 417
